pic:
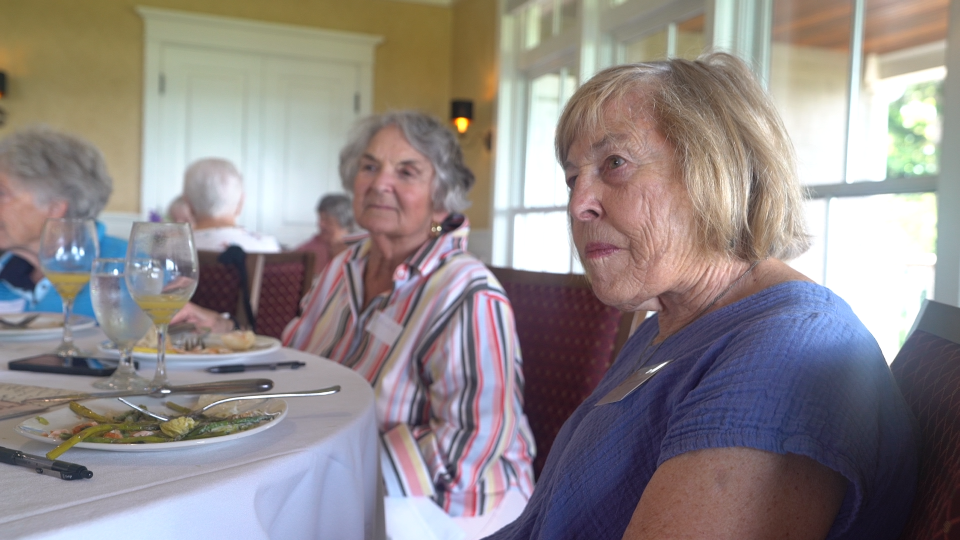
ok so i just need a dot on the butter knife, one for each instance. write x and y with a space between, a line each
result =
217 387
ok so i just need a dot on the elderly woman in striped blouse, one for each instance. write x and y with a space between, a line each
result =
428 325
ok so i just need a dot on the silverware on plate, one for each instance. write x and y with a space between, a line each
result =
197 412
22 323
216 387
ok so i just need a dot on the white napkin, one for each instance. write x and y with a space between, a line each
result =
12 306
418 518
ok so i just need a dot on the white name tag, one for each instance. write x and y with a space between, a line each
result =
384 328
631 383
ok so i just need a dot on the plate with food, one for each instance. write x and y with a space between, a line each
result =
213 350
106 424
43 326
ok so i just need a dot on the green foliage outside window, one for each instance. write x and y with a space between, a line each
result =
914 131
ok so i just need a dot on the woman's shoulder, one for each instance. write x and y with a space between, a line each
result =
111 246
466 268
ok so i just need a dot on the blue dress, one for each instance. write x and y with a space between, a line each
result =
43 297
787 370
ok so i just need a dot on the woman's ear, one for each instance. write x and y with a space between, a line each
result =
58 208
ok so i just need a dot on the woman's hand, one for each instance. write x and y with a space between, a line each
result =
203 318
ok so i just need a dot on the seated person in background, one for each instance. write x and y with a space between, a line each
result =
337 230
213 188
179 212
770 412
47 174
431 329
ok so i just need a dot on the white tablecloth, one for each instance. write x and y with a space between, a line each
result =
313 475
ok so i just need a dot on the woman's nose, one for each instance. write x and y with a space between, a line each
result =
382 180
584 204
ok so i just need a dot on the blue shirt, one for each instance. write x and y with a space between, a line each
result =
43 297
787 370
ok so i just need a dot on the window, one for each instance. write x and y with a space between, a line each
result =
868 148
860 86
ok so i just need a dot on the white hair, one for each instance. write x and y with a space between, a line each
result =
55 166
213 187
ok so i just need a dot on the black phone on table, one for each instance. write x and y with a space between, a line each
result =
78 365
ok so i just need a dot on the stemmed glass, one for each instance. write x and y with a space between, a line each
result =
161 274
121 319
67 250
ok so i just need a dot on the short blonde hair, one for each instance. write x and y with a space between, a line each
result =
734 154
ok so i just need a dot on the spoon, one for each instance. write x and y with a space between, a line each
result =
197 412
217 387
23 323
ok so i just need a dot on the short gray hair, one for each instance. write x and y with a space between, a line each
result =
339 207
428 136
56 166
213 187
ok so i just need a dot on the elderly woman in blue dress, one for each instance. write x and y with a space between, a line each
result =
754 404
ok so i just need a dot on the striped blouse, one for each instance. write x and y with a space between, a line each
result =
442 354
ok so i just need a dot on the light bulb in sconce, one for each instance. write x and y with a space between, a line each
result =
461 113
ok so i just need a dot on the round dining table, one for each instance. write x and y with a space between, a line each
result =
315 474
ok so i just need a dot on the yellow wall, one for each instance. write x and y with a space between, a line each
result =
474 77
77 65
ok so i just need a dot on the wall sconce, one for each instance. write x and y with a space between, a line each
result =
3 92
461 113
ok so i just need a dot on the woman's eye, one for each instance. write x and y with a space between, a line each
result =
571 181
616 161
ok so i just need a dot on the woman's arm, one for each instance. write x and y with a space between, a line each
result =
738 494
203 318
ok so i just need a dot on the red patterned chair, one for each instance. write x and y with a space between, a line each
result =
218 286
927 369
275 283
568 339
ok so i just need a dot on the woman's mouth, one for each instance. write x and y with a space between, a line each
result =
597 250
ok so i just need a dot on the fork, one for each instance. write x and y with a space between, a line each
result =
192 343
23 323
197 412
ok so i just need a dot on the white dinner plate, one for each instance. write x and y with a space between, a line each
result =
263 345
47 325
64 418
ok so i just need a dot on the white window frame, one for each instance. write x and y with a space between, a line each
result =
744 28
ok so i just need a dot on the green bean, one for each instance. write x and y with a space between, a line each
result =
225 427
130 440
69 443
87 413
96 430
178 408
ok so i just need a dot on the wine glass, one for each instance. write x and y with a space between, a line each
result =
161 274
121 319
67 250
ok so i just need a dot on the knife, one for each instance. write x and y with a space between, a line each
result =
217 387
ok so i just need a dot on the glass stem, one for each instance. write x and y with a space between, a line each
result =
160 378
67 332
125 367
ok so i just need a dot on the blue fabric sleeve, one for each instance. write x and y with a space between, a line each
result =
807 385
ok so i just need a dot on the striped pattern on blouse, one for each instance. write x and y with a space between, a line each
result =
442 354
